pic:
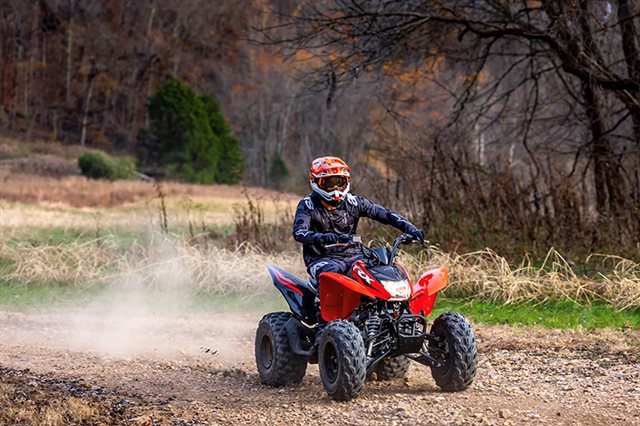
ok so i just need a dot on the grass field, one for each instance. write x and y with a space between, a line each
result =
563 315
68 238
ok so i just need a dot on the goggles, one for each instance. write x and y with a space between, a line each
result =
331 183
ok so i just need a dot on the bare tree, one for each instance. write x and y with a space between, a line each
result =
559 76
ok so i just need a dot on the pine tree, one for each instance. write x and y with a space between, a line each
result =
179 139
188 137
231 164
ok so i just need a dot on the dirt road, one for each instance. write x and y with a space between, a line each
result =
198 369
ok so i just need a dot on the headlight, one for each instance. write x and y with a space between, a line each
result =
399 290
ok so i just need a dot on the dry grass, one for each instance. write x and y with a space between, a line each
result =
15 148
168 263
45 205
165 264
78 191
488 276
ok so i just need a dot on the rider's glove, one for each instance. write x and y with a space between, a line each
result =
417 234
331 238
346 238
327 239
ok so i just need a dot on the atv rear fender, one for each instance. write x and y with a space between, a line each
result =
426 289
300 296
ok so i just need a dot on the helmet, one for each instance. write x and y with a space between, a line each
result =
329 178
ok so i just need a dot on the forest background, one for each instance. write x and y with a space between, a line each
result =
510 125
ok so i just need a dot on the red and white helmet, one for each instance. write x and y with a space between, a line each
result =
329 177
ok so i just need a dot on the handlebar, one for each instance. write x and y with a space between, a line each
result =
356 240
353 240
405 239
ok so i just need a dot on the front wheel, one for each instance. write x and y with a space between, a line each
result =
277 364
342 360
457 350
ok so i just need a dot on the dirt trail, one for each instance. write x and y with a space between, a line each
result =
198 369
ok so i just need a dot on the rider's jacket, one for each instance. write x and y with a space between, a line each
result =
313 219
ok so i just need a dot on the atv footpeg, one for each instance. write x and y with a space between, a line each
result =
411 333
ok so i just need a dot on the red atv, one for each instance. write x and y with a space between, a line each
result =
366 325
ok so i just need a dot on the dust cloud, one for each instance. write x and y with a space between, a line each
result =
150 312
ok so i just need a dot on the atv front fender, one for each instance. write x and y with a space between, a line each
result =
426 289
339 295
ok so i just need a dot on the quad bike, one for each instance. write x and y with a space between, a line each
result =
364 326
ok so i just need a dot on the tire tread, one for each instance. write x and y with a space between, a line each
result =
461 340
289 368
392 368
351 357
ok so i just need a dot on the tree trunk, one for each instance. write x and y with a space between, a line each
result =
67 86
14 84
608 182
87 103
632 58
5 61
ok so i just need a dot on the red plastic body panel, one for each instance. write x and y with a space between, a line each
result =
337 301
426 289
340 295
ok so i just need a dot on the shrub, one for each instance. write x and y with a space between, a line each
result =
98 165
124 168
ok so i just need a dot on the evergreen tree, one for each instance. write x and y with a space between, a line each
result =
231 164
179 139
188 137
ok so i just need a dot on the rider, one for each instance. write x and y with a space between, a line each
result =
330 215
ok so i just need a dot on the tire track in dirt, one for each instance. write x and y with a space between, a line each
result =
525 375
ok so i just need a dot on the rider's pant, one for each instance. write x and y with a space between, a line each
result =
331 264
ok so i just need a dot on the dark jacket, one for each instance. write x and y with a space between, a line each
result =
313 219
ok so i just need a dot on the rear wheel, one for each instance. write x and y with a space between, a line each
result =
276 362
392 368
342 360
457 351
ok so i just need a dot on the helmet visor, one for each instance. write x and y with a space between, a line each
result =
331 183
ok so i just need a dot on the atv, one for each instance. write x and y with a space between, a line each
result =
368 325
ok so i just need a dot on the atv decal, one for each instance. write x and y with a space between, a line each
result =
362 274
286 282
